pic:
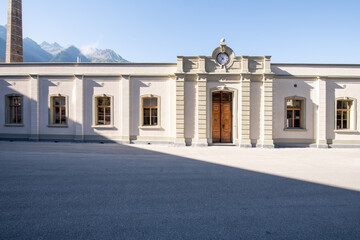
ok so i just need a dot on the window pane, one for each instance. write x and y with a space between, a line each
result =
107 111
107 120
146 121
63 119
216 96
297 123
19 118
346 118
338 124
146 112
12 115
146 102
56 101
153 102
289 118
289 123
62 100
289 114
338 115
100 119
100 110
226 96
153 120
289 103
339 104
107 101
57 114
297 103
154 112
297 114
100 101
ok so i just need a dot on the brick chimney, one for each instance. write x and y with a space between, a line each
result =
14 40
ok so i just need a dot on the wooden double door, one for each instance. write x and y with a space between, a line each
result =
222 117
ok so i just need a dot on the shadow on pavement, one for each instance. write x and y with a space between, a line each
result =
93 191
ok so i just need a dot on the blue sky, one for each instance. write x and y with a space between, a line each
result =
304 31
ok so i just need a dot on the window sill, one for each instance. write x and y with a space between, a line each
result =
13 125
103 126
57 126
295 129
345 131
151 128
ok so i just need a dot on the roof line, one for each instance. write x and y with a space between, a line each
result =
72 64
317 64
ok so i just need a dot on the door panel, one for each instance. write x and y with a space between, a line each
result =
226 125
216 123
222 117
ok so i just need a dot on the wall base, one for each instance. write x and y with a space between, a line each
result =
319 145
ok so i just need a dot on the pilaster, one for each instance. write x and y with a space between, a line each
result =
321 140
34 107
202 68
266 135
180 111
244 64
79 108
200 112
245 111
125 107
180 64
267 64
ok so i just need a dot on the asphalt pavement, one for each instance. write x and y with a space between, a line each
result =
111 191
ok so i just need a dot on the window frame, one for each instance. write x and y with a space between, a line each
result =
7 110
141 113
95 112
352 115
302 114
52 111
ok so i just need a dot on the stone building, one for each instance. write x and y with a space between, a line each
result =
199 101
222 99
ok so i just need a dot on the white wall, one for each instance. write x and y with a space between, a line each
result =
285 88
20 86
341 89
55 86
157 87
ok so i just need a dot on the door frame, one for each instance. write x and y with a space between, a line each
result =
234 107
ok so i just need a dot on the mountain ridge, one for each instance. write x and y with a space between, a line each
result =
54 52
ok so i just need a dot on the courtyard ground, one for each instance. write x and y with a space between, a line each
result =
110 191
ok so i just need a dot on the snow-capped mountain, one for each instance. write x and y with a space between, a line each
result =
103 56
54 52
52 48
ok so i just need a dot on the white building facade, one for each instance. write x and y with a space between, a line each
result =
221 99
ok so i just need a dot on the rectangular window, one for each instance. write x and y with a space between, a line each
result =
150 111
103 111
14 110
58 110
294 113
343 108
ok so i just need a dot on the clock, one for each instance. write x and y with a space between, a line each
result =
222 58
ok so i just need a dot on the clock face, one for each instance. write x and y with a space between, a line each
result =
222 58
